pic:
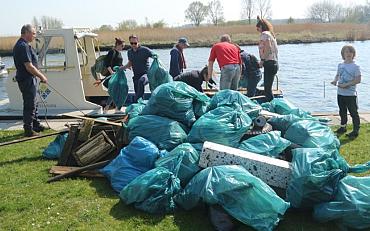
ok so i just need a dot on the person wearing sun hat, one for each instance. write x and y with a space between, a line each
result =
177 61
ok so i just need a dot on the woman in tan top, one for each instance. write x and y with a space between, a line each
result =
268 55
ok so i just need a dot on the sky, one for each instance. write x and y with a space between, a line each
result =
94 13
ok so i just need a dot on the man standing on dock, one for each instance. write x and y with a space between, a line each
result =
138 59
25 62
229 61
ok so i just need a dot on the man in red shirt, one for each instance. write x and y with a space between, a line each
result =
229 61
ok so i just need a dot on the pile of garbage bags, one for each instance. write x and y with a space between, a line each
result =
178 119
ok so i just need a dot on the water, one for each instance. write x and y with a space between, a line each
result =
306 71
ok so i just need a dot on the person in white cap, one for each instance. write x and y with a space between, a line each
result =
177 62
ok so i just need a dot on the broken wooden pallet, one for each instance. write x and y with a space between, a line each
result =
58 170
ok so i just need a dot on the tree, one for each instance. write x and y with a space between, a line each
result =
290 20
196 13
35 22
263 8
159 24
105 28
48 22
248 8
129 24
216 12
325 11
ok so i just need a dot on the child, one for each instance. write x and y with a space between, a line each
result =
348 76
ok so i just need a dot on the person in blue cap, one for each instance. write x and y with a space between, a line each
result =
177 62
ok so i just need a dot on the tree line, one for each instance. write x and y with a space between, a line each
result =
322 11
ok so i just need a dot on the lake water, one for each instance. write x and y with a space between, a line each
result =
304 76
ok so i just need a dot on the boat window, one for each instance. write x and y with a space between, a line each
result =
51 53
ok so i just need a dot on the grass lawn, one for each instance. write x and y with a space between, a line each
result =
27 202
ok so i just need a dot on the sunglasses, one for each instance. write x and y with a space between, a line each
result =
133 43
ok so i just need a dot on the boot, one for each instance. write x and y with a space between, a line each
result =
30 133
341 130
39 128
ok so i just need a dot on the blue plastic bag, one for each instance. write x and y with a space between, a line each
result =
223 125
242 195
315 176
163 132
118 88
153 191
235 100
351 205
312 134
157 74
268 144
135 159
54 149
185 155
177 101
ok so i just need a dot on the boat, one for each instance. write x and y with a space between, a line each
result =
70 86
3 70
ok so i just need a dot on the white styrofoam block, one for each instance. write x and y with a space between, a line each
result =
273 172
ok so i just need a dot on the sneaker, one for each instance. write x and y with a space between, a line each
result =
30 133
341 130
352 134
39 128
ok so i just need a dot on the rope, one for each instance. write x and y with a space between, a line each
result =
65 98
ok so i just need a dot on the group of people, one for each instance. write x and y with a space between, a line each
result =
238 68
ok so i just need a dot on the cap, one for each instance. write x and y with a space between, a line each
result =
184 41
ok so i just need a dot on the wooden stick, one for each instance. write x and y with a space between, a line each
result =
95 120
79 170
32 138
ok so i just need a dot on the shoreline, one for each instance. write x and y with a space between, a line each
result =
206 44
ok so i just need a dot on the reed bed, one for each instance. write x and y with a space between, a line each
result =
243 34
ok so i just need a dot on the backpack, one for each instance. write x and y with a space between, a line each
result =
99 66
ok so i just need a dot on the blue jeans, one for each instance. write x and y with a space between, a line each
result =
28 90
230 76
139 86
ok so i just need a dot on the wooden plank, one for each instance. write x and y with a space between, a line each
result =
32 138
58 170
94 150
85 131
95 120
68 146
79 170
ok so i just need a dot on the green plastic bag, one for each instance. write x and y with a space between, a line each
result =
163 132
242 195
153 191
187 156
157 74
312 134
223 125
135 109
315 176
284 107
118 88
351 206
268 144
283 122
235 100
177 101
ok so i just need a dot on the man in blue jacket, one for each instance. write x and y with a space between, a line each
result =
25 62
177 62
